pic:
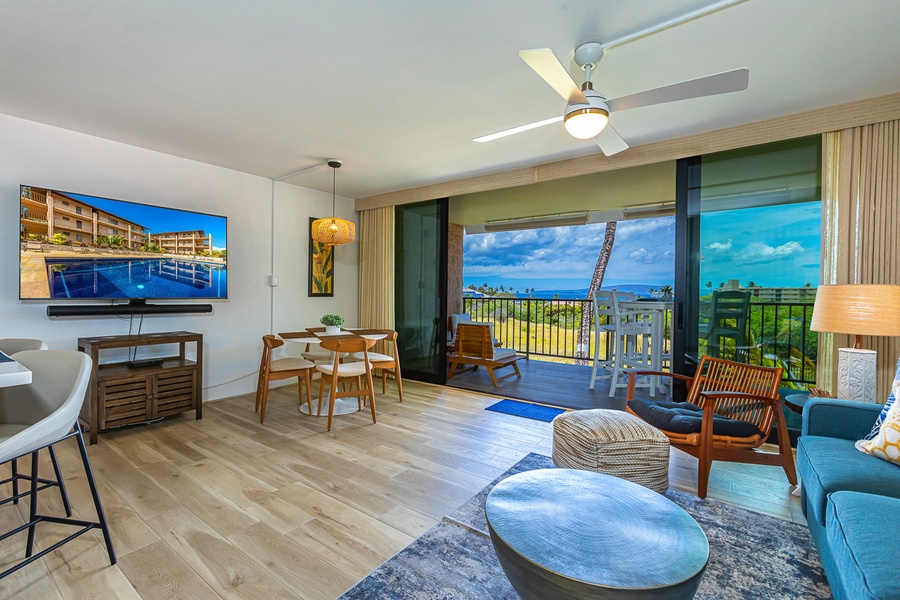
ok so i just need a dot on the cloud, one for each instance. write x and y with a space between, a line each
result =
719 247
650 256
762 253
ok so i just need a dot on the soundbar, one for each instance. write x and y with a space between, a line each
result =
132 308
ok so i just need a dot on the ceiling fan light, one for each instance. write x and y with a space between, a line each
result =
587 122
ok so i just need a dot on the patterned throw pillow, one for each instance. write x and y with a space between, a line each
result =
886 445
887 406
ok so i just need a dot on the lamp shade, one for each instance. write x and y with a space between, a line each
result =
857 309
333 231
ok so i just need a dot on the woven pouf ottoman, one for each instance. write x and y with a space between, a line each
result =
612 442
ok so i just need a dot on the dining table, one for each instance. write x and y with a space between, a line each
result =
315 335
657 310
13 373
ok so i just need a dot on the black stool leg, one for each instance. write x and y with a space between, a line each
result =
59 481
101 517
15 480
29 546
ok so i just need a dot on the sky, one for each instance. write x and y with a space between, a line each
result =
158 219
769 246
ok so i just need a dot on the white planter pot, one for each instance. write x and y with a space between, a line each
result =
332 330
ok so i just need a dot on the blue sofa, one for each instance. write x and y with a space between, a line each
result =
851 500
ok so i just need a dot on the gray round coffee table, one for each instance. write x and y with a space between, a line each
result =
564 533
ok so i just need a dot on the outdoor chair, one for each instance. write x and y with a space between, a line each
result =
728 312
281 368
728 415
633 337
602 301
40 415
475 347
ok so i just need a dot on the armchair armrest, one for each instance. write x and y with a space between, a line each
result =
843 419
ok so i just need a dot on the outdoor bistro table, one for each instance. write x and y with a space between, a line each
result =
12 373
315 335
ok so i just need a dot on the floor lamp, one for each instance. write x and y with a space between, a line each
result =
857 309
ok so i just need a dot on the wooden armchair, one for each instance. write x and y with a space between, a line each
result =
475 347
729 413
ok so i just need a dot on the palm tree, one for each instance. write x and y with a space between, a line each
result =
584 332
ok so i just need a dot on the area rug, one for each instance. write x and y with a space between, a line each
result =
751 556
526 409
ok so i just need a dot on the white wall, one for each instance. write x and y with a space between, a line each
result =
262 218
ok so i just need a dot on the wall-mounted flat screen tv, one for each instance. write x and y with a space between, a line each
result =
81 247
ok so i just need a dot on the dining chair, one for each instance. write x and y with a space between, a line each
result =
384 361
40 415
280 368
353 372
10 346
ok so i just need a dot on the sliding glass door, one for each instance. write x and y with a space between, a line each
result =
748 235
420 255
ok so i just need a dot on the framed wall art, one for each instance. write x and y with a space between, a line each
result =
321 266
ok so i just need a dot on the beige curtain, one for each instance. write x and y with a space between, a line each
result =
376 268
861 230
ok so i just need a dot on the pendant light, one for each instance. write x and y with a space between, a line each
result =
333 230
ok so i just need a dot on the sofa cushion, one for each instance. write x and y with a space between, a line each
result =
829 465
684 417
864 550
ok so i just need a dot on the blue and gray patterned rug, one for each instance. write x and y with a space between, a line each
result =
752 556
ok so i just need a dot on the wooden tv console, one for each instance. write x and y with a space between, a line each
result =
126 392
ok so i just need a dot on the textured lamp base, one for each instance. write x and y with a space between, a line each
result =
856 374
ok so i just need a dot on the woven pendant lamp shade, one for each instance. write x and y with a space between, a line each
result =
333 231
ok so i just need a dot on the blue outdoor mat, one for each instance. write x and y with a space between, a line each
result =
526 409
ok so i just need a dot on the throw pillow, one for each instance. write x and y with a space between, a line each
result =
886 445
887 405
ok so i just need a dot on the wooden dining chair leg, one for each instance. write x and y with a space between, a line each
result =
399 381
307 380
321 395
384 381
264 397
332 398
370 392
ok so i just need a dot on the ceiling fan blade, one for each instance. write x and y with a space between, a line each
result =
545 64
610 141
500 134
722 83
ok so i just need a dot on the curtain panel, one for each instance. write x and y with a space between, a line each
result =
376 268
860 231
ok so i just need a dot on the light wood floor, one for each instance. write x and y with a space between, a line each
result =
226 508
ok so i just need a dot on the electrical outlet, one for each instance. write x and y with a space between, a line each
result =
273 280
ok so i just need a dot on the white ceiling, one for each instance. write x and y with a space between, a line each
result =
398 88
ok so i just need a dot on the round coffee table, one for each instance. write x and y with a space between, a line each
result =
564 533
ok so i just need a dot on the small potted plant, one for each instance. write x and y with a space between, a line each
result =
332 324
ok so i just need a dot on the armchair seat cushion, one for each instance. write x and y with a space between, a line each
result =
501 353
830 464
685 417
858 541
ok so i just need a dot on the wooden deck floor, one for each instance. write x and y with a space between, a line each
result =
545 382
228 508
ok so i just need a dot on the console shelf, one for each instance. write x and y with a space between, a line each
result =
122 394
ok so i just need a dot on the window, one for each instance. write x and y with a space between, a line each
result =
113 221
78 225
78 210
78 235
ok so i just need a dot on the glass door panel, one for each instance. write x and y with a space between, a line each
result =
420 256
750 230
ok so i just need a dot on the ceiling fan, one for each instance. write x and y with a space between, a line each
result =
588 112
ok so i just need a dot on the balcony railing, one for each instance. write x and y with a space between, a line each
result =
778 333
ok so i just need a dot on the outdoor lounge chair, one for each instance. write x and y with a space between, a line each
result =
475 347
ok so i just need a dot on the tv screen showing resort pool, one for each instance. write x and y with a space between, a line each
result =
81 247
